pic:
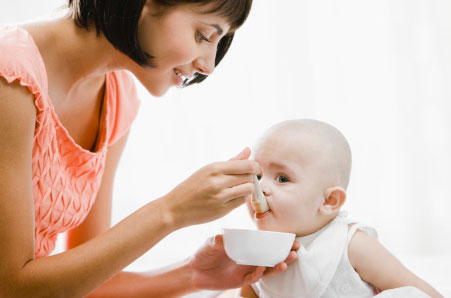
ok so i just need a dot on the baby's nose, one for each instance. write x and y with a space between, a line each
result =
265 188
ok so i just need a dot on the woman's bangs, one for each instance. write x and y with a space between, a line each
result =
235 11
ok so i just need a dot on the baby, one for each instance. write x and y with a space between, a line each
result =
306 166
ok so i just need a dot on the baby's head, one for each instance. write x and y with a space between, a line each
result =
306 166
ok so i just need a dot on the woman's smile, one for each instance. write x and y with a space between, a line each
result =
181 77
182 42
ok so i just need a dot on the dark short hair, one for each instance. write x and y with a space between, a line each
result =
118 21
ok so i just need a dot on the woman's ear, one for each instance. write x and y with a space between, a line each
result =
334 198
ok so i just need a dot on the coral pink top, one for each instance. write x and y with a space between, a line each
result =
66 177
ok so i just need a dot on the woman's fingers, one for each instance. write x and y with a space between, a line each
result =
234 180
245 154
296 245
229 181
204 196
292 256
242 190
236 167
218 241
234 203
254 276
279 268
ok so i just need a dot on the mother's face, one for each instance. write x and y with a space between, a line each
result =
183 40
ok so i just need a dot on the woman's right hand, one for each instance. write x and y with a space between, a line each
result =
212 191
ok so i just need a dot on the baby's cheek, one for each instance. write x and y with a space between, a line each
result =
287 215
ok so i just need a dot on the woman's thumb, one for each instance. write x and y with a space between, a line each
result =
245 154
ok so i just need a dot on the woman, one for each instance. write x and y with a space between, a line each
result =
66 106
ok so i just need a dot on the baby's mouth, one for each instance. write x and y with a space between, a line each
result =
259 216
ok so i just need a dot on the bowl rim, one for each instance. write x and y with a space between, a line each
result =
257 231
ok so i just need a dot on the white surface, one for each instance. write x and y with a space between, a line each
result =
435 269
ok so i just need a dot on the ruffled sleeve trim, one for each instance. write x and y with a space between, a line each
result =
21 61
35 91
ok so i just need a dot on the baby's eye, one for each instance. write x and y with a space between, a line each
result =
282 179
200 37
259 176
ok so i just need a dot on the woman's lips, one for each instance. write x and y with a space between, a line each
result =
178 80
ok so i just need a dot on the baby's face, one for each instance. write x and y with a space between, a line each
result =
290 181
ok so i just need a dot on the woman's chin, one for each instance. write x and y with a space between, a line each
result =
157 92
156 89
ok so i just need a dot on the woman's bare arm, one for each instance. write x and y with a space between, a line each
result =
174 281
17 123
159 283
78 271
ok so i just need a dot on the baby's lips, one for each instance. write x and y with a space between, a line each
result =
260 216
258 207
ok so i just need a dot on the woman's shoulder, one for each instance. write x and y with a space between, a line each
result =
16 44
20 59
123 84
123 103
13 37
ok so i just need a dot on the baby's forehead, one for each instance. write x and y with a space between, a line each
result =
295 145
287 146
311 132
292 137
311 144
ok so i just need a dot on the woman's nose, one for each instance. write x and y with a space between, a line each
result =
205 64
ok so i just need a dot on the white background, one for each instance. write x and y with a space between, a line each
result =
380 71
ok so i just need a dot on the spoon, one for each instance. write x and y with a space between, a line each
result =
258 200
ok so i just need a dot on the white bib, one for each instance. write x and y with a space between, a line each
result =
322 268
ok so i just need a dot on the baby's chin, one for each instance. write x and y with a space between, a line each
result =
263 226
267 222
273 227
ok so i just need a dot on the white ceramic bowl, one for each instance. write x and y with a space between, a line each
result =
257 248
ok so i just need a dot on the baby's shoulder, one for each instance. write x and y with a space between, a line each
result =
363 249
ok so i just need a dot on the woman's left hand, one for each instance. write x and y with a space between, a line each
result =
212 269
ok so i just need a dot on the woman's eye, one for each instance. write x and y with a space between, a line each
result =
200 37
259 176
282 179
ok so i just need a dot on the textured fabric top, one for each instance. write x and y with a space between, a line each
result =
65 177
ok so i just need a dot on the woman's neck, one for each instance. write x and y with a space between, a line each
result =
76 60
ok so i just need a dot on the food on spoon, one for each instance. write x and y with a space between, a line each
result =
258 201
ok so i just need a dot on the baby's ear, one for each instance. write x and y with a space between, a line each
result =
334 198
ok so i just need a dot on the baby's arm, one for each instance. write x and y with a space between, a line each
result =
248 292
377 266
